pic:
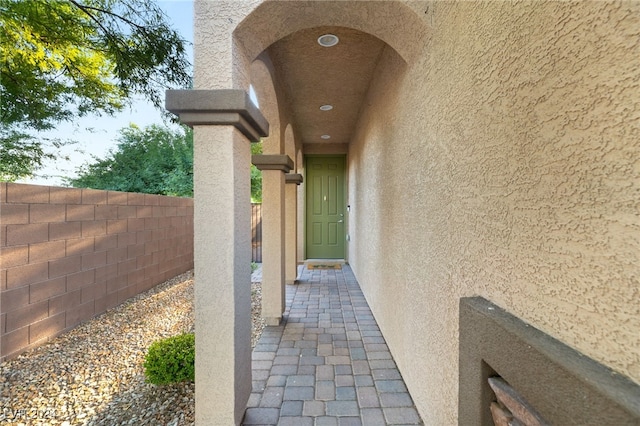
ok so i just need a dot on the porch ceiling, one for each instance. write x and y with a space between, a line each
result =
312 75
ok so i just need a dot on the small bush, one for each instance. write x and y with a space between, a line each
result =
171 360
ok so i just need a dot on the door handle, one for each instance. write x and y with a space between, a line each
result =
340 221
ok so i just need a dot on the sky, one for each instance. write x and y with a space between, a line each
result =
96 135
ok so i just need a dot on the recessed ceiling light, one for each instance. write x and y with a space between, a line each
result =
328 40
326 107
325 137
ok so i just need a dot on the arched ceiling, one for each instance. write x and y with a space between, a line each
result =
312 75
391 21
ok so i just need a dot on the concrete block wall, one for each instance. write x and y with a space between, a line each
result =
69 254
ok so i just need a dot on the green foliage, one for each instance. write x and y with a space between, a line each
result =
20 156
153 160
171 360
256 176
63 59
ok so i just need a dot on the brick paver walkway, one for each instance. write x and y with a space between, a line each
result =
328 363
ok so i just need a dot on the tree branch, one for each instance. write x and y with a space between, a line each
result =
106 31
86 9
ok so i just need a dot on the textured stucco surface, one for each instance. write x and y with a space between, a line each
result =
505 163
497 154
223 287
273 239
271 21
225 65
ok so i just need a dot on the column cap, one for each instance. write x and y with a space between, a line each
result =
293 178
231 107
272 162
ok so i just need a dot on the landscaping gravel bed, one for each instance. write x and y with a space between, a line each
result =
93 375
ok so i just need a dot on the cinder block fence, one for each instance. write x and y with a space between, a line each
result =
70 254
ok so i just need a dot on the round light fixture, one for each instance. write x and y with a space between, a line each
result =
326 107
328 40
325 137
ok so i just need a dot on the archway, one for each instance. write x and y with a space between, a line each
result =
243 44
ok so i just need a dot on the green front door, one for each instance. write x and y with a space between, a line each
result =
325 207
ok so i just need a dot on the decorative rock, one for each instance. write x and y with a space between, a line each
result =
519 408
94 374
500 416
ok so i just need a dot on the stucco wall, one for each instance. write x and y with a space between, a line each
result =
504 162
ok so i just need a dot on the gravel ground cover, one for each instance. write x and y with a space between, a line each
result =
93 375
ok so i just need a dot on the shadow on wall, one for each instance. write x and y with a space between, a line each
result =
69 254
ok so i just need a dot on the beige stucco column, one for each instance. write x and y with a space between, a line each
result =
292 181
273 169
224 121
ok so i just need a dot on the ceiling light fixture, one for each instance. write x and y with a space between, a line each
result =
325 137
326 107
328 40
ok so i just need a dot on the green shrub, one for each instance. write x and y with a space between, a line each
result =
171 360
